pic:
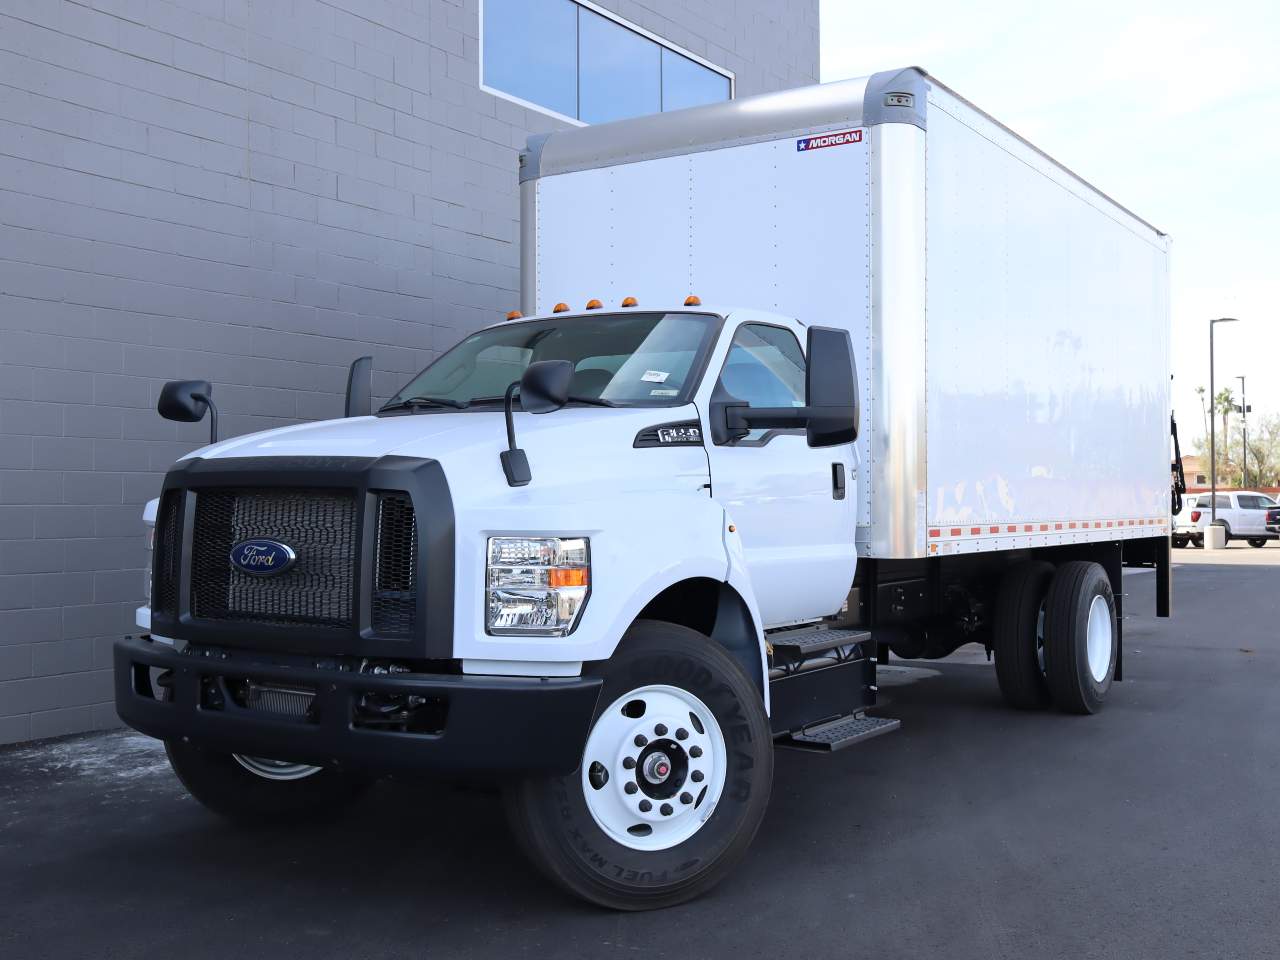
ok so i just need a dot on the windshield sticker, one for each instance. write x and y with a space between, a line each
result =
655 376
664 393
829 140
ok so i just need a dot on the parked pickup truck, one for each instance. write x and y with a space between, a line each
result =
804 380
1244 514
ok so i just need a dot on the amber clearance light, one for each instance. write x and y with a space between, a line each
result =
594 304
560 308
692 301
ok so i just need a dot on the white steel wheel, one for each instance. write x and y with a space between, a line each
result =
658 810
275 769
1081 636
1099 638
654 767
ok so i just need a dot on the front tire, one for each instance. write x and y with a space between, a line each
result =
253 791
673 784
1081 637
1018 635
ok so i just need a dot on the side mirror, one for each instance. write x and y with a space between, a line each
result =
186 402
544 387
831 388
830 414
360 388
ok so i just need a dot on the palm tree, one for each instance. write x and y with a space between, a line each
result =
1204 411
1224 404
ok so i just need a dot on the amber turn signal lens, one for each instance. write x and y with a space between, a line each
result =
629 301
560 308
692 301
514 315
575 577
594 304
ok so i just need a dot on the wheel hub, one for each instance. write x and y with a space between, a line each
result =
654 767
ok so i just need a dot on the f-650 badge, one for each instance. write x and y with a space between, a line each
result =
262 557
829 140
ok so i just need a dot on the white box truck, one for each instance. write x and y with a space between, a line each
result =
849 371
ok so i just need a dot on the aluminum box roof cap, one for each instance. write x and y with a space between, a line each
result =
894 96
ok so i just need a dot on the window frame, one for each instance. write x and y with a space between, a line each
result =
622 22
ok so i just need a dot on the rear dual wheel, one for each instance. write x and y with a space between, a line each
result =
674 779
1056 637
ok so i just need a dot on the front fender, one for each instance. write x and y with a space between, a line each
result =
640 545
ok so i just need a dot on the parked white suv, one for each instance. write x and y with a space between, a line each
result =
1243 513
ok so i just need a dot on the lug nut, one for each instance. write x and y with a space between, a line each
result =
660 729
695 751
666 809
696 776
641 740
629 762
631 787
682 734
645 806
686 797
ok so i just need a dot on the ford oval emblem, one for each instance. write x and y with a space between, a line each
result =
262 557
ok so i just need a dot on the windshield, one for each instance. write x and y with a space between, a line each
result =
627 359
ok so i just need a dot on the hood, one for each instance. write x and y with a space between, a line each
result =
576 452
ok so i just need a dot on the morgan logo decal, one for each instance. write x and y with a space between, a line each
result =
828 140
262 557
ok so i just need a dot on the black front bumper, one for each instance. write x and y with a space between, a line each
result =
488 725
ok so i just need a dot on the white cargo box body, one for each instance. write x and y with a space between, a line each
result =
1010 322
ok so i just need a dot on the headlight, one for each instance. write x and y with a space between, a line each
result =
536 585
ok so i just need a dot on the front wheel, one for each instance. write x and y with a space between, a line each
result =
1257 541
674 781
256 791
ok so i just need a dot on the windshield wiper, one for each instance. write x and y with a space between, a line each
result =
424 402
593 401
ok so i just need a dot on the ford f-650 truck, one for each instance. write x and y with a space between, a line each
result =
804 381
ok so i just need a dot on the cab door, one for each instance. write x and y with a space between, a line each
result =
792 504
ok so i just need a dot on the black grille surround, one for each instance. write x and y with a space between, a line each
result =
375 551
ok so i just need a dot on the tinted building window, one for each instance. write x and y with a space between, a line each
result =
567 58
531 51
619 71
689 84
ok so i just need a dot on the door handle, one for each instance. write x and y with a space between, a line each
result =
837 481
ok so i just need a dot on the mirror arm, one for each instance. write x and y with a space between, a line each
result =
515 464
213 415
742 417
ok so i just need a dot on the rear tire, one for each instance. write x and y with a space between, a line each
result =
251 791
1018 635
1081 637
1179 542
610 832
1257 541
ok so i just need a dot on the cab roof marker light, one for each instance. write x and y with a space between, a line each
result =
560 308
629 301
692 301
514 315
594 304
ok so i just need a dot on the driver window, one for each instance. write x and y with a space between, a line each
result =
765 368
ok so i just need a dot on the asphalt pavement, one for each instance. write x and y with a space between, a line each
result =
1151 830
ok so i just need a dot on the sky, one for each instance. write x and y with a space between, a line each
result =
1172 108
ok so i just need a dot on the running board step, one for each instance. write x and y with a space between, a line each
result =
838 734
795 646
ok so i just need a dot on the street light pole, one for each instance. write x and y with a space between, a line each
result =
1213 428
1244 435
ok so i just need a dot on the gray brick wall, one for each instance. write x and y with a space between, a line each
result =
252 192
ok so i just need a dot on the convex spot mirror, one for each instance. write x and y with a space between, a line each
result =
186 401
544 386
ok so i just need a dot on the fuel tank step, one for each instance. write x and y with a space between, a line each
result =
840 733
795 646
